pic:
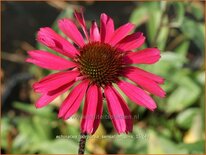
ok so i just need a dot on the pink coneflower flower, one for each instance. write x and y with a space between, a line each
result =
92 67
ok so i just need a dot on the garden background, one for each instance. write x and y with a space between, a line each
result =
176 126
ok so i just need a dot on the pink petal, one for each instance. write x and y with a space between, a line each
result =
99 110
70 29
137 71
146 83
146 56
51 39
131 42
80 18
118 111
120 33
48 97
54 81
49 61
94 32
92 110
72 103
106 28
137 95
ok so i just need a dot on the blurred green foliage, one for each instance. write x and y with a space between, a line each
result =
177 126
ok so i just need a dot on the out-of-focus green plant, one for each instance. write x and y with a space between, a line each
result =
180 122
177 126
36 132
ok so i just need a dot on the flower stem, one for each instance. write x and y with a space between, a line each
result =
82 143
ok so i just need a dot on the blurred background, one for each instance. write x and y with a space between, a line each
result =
178 124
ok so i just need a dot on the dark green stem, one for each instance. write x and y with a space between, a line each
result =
82 143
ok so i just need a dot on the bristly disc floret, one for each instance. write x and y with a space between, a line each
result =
101 63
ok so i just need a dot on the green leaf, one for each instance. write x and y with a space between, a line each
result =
185 118
42 127
163 35
136 142
183 96
196 132
197 10
200 76
26 138
182 48
157 33
195 32
194 148
165 66
59 146
43 112
32 131
139 16
179 12
5 129
160 145
154 21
